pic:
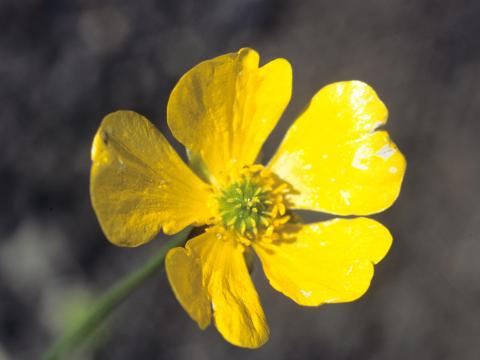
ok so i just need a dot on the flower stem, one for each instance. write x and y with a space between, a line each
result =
114 297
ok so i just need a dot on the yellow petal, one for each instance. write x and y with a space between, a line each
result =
224 109
226 282
334 158
184 272
325 262
139 184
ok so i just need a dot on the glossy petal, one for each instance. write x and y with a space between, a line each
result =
184 271
227 288
335 159
224 109
326 262
139 184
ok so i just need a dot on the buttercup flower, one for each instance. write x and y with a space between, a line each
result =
332 160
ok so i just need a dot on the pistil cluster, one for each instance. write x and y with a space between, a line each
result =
253 203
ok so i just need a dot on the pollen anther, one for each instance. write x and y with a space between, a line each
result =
253 203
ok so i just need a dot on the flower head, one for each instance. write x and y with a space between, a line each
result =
332 160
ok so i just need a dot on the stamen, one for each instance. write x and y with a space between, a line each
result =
253 203
243 226
280 188
265 221
274 210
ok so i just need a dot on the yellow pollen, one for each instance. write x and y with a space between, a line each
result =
253 203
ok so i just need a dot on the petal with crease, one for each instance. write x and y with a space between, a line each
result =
138 183
325 262
227 286
334 158
223 109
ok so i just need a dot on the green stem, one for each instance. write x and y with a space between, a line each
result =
114 297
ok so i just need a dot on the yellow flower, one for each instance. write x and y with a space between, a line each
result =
332 160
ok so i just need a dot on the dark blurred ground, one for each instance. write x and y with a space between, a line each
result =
65 64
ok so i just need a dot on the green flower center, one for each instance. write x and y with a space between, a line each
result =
245 207
253 204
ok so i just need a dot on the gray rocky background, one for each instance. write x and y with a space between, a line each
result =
65 64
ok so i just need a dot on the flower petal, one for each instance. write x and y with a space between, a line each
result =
325 262
236 308
139 184
184 272
224 109
335 159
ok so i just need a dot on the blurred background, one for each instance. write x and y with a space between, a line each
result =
66 64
